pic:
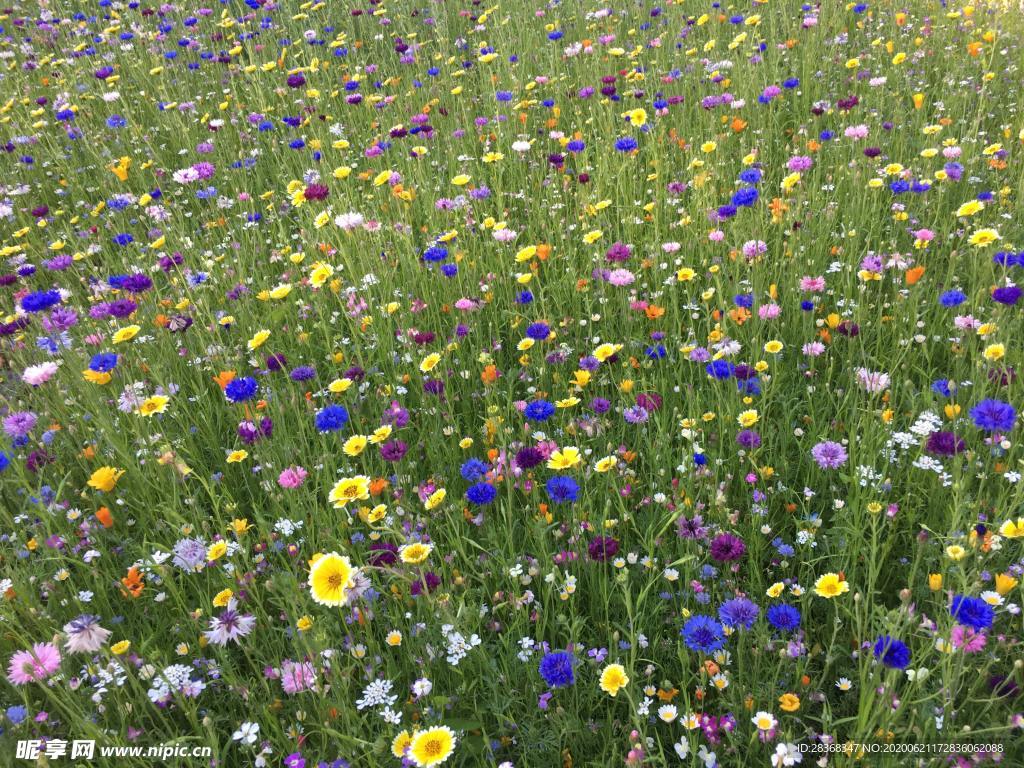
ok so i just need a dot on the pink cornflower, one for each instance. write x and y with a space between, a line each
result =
812 284
799 163
967 639
36 375
621 277
813 348
297 676
292 477
34 666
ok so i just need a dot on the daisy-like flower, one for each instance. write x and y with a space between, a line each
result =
230 626
830 585
85 635
432 746
331 577
613 679
35 665
350 489
415 553
153 405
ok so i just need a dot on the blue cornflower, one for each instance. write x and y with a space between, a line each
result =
745 196
240 390
751 175
745 300
893 653
539 410
538 331
783 617
972 611
481 493
435 253
993 416
625 144
703 633
331 418
39 301
952 298
562 489
472 470
719 369
1008 295
738 612
557 669
103 362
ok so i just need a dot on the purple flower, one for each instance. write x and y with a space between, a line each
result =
727 548
603 548
945 444
829 454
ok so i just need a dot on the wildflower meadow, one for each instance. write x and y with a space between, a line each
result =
406 383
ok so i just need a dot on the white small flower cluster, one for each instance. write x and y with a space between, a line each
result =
175 679
458 646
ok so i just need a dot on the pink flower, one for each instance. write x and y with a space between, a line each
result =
297 676
33 666
967 639
292 477
716 236
39 374
621 277
812 284
769 311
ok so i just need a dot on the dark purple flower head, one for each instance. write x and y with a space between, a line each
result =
433 582
393 450
529 457
748 439
383 553
945 444
602 548
727 548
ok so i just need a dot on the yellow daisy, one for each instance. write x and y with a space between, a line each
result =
330 578
432 746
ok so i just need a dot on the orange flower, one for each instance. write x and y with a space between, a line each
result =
133 583
224 378
490 374
914 274
377 486
543 251
104 516
653 312
738 125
